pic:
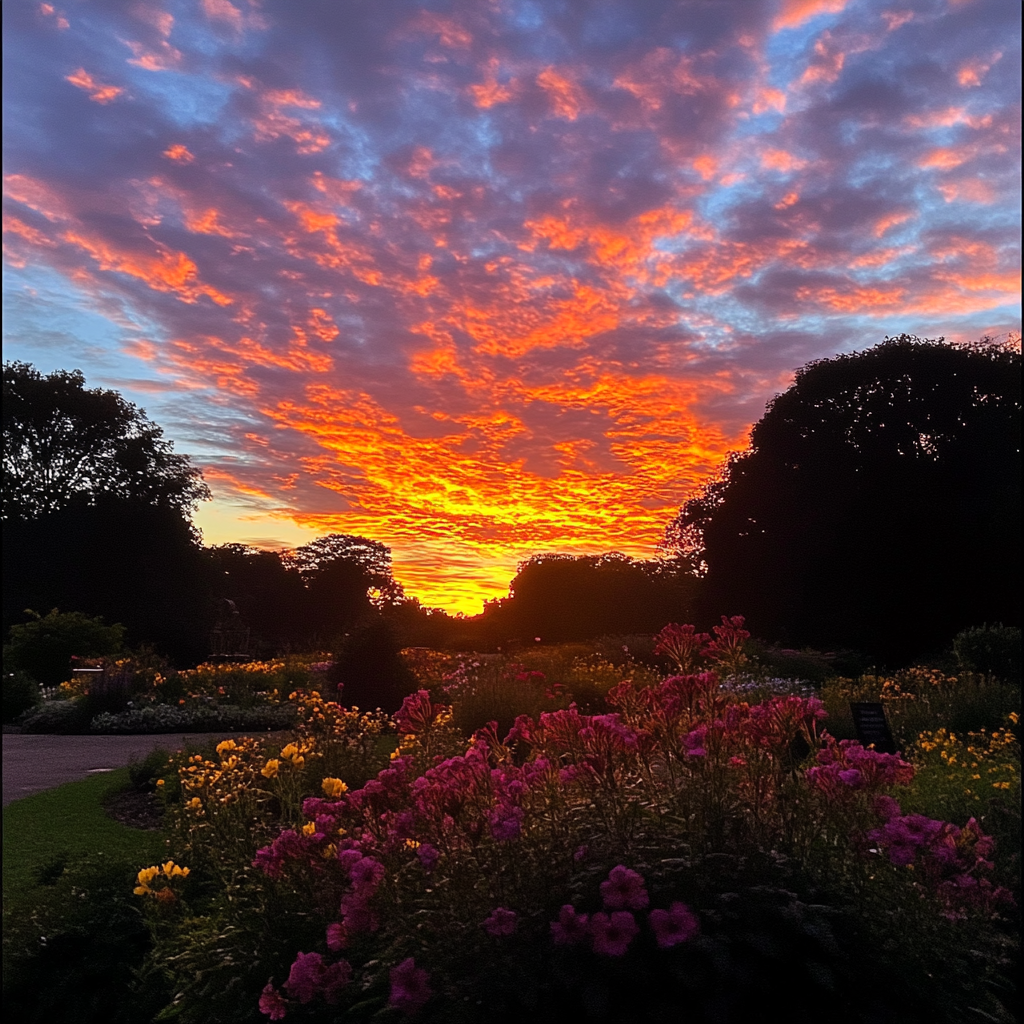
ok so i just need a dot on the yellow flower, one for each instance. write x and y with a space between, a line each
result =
160 782
290 751
309 828
270 769
1000 785
333 787
194 804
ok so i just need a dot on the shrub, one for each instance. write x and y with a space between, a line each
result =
45 646
21 693
992 650
63 717
369 668
161 718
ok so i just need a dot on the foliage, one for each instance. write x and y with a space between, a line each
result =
572 598
992 650
368 668
20 694
59 717
44 646
617 866
855 477
919 699
163 718
66 444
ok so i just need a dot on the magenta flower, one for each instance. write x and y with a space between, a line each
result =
410 987
337 937
506 823
570 927
305 977
334 979
613 934
366 873
624 888
502 922
675 925
272 1003
428 856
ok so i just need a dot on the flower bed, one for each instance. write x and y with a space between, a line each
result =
686 850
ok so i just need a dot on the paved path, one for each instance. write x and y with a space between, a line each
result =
36 762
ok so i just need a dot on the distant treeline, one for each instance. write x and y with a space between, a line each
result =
878 509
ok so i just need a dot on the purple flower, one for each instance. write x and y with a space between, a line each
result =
613 934
428 856
304 979
675 925
337 937
624 888
410 987
887 808
506 823
570 927
694 742
272 1003
366 873
501 922
334 979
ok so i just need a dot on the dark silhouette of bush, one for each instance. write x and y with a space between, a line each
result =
44 646
993 650
369 668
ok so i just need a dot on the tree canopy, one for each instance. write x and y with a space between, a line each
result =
67 444
878 505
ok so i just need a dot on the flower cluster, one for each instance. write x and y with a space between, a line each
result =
845 768
156 881
612 930
686 647
948 860
985 762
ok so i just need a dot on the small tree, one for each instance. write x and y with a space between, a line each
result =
45 646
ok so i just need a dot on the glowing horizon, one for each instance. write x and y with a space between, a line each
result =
480 280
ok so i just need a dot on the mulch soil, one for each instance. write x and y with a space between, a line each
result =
135 809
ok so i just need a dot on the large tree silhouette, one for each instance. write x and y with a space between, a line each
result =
96 512
878 506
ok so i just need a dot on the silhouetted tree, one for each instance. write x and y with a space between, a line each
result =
561 597
96 512
878 506
347 578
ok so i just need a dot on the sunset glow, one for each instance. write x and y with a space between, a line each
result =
484 279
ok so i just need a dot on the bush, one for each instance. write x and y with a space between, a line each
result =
369 668
45 646
77 953
21 692
63 717
161 718
992 650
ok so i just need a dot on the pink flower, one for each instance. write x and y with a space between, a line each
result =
612 935
570 927
501 922
337 937
675 925
506 823
305 976
428 856
272 1003
410 987
334 979
366 873
624 888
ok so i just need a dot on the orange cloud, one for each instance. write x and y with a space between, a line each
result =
780 160
890 220
49 11
794 13
971 73
178 153
566 97
97 92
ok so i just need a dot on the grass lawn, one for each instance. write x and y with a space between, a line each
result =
67 824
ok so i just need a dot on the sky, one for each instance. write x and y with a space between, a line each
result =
486 278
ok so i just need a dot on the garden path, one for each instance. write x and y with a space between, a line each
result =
35 762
